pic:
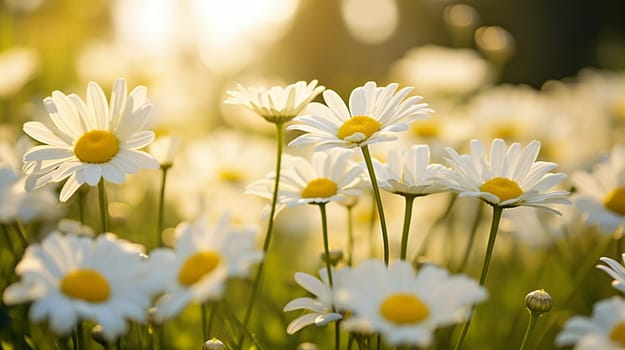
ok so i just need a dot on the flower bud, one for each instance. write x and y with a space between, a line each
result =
336 255
538 301
98 336
213 344
307 346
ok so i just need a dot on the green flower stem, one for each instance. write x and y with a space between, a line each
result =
103 206
21 233
406 229
81 206
161 205
350 235
326 245
497 211
274 201
469 248
207 320
326 250
530 329
378 199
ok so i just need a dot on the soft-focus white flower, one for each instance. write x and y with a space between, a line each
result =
72 278
204 257
374 114
90 141
600 194
164 149
323 306
15 202
328 177
443 71
17 67
403 306
277 104
605 330
409 172
615 270
505 177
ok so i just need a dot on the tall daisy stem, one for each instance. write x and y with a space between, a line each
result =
326 250
378 199
103 206
350 235
161 205
406 229
497 211
274 201
530 329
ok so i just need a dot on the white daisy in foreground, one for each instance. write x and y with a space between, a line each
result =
374 115
409 172
605 330
72 278
277 104
328 177
204 257
90 141
403 306
323 306
601 194
615 270
506 177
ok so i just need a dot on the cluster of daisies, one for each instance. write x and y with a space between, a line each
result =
70 277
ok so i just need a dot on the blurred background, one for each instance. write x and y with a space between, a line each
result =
520 70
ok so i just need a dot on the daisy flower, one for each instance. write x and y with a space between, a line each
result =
89 141
328 177
277 104
204 257
322 306
601 194
374 115
409 172
71 278
506 177
615 270
604 330
403 306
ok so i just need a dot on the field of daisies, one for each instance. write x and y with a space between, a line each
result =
160 190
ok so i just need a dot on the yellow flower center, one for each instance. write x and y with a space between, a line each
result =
359 124
230 175
426 128
618 109
615 200
96 146
502 187
404 309
319 188
507 131
197 266
617 334
86 284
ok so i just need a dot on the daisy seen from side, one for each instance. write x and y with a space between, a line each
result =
205 255
403 306
277 104
615 270
91 140
70 278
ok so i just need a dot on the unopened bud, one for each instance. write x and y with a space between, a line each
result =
213 344
538 302
336 255
307 346
98 336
